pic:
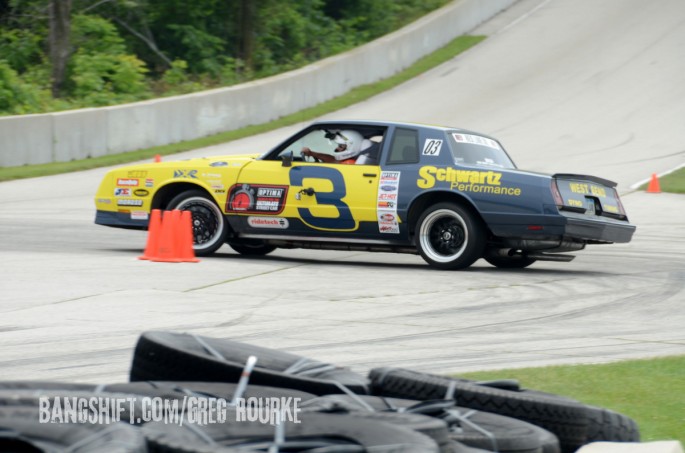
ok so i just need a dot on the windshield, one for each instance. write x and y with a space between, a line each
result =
470 149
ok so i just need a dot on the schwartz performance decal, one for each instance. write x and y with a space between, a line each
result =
256 199
487 182
386 202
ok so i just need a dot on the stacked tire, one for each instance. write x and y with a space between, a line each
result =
390 410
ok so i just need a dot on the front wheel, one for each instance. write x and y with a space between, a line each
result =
209 223
449 236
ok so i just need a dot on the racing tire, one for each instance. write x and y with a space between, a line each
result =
449 237
162 389
171 356
510 435
565 418
314 430
209 223
510 262
609 426
251 247
21 431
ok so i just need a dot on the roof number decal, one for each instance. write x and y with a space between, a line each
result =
432 147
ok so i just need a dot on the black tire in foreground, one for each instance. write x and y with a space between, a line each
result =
481 430
315 430
565 418
171 356
154 389
609 426
21 430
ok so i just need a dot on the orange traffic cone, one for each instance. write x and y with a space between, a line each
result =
186 252
158 158
167 249
653 186
153 231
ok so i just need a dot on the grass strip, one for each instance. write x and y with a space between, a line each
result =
672 182
651 391
446 53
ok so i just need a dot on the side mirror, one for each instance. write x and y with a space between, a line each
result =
287 159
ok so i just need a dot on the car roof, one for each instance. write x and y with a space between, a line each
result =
338 123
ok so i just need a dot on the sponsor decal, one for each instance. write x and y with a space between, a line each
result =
432 147
127 182
387 196
137 173
149 182
122 192
211 175
219 191
129 202
587 189
141 193
185 174
256 198
219 164
476 140
104 200
139 215
390 177
487 182
386 202
268 222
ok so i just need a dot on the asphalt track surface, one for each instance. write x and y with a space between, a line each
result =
567 85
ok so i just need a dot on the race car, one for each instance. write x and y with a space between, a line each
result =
451 195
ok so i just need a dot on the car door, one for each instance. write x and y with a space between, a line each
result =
305 200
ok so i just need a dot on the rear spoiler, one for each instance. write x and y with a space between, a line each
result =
595 179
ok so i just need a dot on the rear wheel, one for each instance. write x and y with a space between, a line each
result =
209 223
509 262
449 236
253 247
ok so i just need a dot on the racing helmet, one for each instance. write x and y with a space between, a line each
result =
352 139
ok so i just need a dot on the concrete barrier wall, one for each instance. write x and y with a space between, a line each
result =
79 134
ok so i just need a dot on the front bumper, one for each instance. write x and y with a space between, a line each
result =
120 220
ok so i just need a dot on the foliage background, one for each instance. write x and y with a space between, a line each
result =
118 51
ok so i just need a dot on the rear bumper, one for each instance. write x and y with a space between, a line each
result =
590 230
557 227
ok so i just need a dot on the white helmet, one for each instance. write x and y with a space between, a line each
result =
352 139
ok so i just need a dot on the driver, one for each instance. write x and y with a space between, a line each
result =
349 146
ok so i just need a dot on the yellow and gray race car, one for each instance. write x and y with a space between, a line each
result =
451 195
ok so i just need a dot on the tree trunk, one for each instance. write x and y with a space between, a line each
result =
246 27
60 26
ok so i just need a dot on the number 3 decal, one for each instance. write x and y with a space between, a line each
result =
344 221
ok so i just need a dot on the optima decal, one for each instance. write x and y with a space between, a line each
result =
256 199
466 180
